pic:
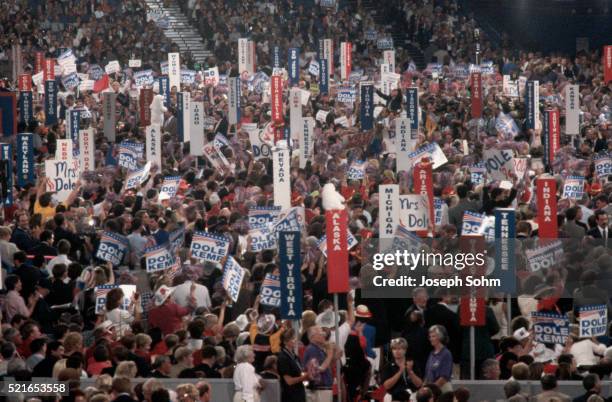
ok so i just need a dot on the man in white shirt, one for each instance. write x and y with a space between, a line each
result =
183 291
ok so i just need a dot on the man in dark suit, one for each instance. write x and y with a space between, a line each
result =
222 125
441 314
44 247
28 274
170 123
455 214
571 228
601 232
592 385
21 236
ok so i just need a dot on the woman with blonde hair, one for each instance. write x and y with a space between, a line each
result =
126 369
246 381
187 393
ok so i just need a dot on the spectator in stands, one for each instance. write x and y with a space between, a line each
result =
549 390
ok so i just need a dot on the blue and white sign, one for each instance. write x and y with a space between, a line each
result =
573 187
270 292
505 237
25 106
143 78
164 88
112 248
367 106
50 103
233 274
158 258
323 76
7 155
129 154
262 238
472 223
346 95
169 187
593 321
209 247
262 216
550 328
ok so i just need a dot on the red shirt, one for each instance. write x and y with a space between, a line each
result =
167 317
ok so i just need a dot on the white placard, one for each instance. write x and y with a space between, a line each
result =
282 174
414 212
306 141
572 109
197 128
153 144
388 210
86 150
174 71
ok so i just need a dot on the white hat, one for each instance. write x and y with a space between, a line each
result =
326 319
162 294
521 334
242 322
265 323
106 325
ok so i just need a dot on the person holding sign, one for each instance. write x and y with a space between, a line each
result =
122 319
167 315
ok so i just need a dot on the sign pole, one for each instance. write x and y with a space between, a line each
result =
509 308
472 353
338 362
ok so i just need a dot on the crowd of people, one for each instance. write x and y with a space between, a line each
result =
182 324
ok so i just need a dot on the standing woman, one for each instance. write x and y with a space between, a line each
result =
399 376
246 381
121 319
290 370
357 370
439 368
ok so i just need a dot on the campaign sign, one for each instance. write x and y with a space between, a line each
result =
169 187
262 238
290 275
356 171
112 248
550 328
593 320
499 163
176 239
431 151
414 212
346 95
477 174
143 78
472 223
603 165
102 290
573 188
209 247
74 120
188 77
158 258
544 257
136 177
351 241
233 274
61 177
270 292
384 43
129 153
438 211
291 219
262 216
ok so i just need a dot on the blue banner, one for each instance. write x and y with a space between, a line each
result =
413 109
75 122
505 238
8 109
164 89
25 106
233 274
546 139
25 159
367 107
291 279
323 76
529 105
276 57
129 154
50 103
180 105
7 182
550 328
262 216
294 66
112 248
